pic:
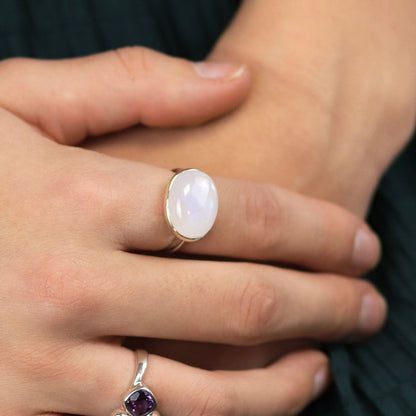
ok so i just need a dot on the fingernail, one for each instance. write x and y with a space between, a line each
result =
219 70
321 382
372 315
366 249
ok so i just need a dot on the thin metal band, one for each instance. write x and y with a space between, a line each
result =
175 245
142 356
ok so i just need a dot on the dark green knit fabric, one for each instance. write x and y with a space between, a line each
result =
65 28
374 379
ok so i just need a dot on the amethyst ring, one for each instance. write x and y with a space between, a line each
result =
139 401
191 206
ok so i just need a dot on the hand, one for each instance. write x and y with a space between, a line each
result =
333 100
332 103
71 286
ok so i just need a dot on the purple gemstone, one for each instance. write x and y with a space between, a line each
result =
141 402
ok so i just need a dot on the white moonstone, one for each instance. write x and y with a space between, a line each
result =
192 204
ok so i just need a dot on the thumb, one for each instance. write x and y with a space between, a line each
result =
89 96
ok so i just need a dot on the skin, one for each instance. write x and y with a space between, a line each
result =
75 222
333 101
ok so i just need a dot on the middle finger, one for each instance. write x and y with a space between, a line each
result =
225 302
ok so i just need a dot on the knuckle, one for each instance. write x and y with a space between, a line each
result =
256 310
86 194
263 216
62 288
69 187
81 187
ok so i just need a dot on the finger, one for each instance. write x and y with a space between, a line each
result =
283 388
224 302
256 222
267 223
74 98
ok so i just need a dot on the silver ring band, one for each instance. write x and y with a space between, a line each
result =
139 400
142 359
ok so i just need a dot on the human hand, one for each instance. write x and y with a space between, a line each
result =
332 103
70 286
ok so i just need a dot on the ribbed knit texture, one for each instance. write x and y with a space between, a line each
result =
65 28
374 379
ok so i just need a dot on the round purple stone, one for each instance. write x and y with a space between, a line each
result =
140 402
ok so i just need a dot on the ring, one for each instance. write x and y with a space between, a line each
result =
139 401
191 206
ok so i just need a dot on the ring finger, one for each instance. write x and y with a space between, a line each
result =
181 389
224 302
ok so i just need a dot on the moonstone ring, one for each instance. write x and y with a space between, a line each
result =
139 401
191 206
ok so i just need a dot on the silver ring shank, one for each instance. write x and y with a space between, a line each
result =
141 367
139 400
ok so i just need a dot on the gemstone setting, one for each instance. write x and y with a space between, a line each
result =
140 402
191 204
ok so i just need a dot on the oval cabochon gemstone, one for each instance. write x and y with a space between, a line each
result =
140 402
192 204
